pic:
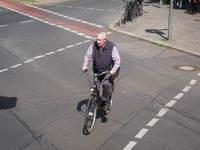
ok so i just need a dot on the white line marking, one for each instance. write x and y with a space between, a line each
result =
68 6
162 112
26 21
130 145
100 9
30 60
171 103
141 133
88 37
55 14
87 41
15 66
186 89
70 46
199 74
81 34
152 122
179 96
80 7
61 49
192 82
50 53
3 25
3 70
90 8
38 57
79 43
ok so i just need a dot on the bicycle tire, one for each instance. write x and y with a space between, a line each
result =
134 12
90 114
126 15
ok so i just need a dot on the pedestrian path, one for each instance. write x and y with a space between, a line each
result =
153 26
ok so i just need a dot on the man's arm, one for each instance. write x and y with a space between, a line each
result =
87 58
117 60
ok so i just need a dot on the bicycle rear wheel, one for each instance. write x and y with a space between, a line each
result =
90 114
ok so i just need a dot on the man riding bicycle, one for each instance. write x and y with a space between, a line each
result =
105 56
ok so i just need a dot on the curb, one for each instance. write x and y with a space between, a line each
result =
112 27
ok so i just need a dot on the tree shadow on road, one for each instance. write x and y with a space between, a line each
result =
7 102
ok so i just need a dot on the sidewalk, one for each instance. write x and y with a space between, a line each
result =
153 26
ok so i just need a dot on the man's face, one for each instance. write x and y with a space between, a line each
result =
100 40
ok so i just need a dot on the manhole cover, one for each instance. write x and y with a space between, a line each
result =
186 68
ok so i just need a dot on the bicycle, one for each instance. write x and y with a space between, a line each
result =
131 11
94 102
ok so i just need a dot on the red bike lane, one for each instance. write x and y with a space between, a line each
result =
71 24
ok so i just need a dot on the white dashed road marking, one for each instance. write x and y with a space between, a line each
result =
15 66
192 82
3 70
38 57
50 53
186 89
162 112
130 145
152 122
28 21
179 96
171 103
42 56
141 133
28 61
5 25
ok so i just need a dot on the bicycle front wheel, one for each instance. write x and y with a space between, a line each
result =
90 114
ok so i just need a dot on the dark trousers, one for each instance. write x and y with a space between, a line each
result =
105 80
194 7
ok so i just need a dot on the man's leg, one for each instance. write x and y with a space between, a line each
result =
106 87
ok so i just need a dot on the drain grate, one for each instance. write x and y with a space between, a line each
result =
186 68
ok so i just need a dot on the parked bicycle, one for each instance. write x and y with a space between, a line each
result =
94 102
133 10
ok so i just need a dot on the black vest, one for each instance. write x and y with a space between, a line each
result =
102 60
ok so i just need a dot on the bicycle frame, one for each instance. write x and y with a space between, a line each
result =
92 106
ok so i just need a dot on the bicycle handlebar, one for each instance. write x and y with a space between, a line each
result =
95 74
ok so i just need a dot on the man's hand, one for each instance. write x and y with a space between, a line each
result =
112 72
84 68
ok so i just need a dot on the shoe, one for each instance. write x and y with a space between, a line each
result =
102 104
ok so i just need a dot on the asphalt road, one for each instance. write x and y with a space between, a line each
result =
43 93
